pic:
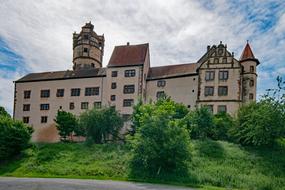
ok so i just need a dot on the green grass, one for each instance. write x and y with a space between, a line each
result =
213 164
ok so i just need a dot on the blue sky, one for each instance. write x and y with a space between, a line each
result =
36 36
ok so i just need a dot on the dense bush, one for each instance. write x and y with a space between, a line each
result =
3 112
223 122
101 124
14 137
200 123
66 124
260 123
161 143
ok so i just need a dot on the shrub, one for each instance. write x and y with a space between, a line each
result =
14 137
3 112
101 124
66 124
161 144
223 122
260 123
200 123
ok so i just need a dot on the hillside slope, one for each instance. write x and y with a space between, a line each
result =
213 163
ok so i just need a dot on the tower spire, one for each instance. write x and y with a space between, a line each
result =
247 54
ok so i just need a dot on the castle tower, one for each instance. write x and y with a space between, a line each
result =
88 48
249 76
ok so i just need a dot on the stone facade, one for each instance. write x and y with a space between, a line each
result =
217 80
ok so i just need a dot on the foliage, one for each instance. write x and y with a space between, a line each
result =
214 163
136 117
14 137
222 123
3 112
66 124
260 123
200 123
101 124
161 143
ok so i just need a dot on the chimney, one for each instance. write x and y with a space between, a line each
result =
128 43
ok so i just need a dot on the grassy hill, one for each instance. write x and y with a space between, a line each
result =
213 163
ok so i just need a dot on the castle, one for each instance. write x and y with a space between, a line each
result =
217 80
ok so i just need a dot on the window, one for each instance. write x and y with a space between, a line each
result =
209 91
251 96
114 73
84 105
45 93
223 91
129 89
114 85
60 93
161 83
26 119
44 119
210 75
26 107
210 108
160 94
222 108
188 106
223 75
27 94
252 69
92 65
85 36
128 102
44 106
75 92
97 104
71 106
251 83
130 73
224 60
91 91
113 97
85 50
216 60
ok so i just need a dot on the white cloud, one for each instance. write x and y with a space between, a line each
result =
178 30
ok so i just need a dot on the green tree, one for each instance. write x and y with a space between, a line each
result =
66 124
101 124
14 137
3 112
222 123
260 123
161 143
200 123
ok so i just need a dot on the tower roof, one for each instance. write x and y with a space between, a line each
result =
128 55
247 54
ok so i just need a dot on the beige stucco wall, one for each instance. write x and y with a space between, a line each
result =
181 90
233 98
47 131
121 80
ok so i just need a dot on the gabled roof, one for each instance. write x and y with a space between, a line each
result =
170 71
128 55
247 54
61 75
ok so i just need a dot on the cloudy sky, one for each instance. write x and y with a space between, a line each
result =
36 36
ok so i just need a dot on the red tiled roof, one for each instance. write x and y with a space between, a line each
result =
128 55
172 70
60 75
247 53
